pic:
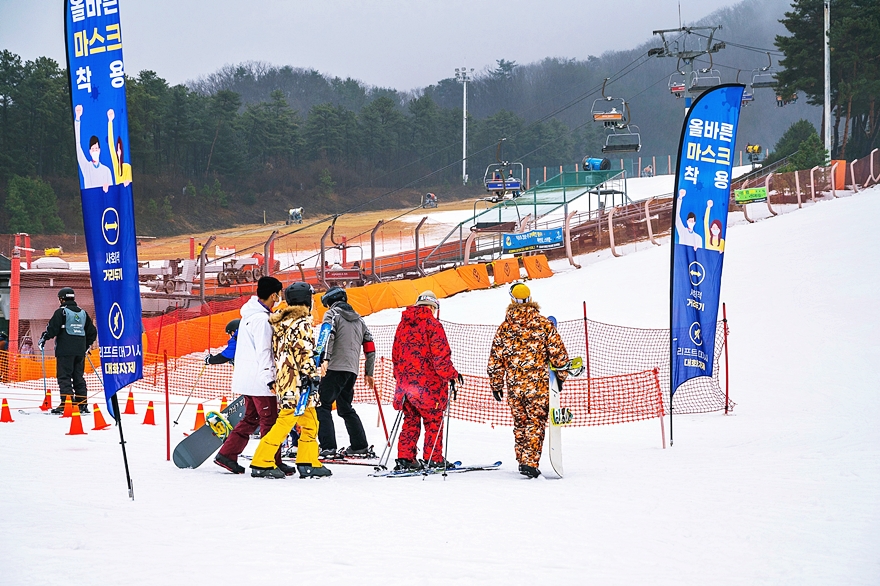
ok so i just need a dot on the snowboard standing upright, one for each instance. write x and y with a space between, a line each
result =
200 444
554 434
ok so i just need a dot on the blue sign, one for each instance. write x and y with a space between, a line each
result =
534 240
702 188
100 121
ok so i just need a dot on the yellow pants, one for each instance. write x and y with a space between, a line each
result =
307 448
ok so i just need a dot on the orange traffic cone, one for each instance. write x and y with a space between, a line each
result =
68 407
150 418
129 405
76 426
223 404
200 417
47 401
99 419
5 415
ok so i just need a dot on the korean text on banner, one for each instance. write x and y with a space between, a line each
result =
702 185
100 122
533 240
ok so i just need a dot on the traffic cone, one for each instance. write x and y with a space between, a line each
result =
5 415
47 401
200 417
129 405
150 418
76 426
99 419
223 404
68 407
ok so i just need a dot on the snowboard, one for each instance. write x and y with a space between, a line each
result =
554 434
203 442
323 334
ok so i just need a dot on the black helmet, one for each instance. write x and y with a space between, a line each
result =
232 326
334 295
299 294
66 294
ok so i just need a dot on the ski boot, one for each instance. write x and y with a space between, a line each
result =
288 470
266 472
330 454
309 471
529 471
229 464
84 409
350 452
405 464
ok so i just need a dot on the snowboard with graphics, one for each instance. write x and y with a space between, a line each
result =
203 442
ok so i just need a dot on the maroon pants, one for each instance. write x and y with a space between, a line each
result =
262 411
410 431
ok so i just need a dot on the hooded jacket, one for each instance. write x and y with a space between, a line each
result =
422 360
294 347
525 344
348 334
254 360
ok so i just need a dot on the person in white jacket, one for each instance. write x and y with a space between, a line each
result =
254 376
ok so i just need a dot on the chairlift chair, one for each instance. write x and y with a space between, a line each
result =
704 80
609 111
747 97
677 85
623 140
764 77
504 179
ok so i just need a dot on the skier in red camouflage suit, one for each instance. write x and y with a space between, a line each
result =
423 368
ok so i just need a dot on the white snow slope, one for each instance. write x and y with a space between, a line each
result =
783 491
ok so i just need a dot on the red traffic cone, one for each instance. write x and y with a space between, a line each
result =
47 401
129 405
68 407
99 419
76 426
150 417
5 415
223 404
200 417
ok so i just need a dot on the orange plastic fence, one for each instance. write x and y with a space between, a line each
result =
506 270
537 267
475 276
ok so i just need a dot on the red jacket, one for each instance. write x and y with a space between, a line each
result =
422 360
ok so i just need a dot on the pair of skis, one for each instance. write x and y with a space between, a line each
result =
457 467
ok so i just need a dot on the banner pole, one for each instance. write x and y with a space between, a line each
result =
167 412
726 364
115 401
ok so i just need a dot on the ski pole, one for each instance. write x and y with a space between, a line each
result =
386 452
448 410
381 414
430 457
43 367
195 384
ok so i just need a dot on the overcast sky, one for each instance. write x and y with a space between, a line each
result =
392 43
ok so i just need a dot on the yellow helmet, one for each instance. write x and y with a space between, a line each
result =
520 293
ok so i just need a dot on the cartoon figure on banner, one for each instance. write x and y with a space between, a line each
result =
686 234
94 173
714 241
121 169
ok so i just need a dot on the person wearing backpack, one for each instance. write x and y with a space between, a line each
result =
74 334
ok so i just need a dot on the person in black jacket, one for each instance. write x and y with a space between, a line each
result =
75 333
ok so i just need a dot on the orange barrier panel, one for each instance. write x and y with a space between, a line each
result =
381 296
506 270
359 299
428 284
537 267
475 276
450 281
318 310
405 293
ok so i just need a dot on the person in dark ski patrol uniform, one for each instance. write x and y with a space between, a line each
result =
423 369
341 363
74 334
525 345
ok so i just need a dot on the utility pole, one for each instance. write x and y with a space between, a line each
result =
827 111
463 76
678 48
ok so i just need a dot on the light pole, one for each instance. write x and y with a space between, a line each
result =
464 76
827 103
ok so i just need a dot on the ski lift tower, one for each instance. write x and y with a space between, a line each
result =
677 47
463 76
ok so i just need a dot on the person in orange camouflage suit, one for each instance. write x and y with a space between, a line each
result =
525 344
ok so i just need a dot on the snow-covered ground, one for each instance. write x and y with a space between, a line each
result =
783 491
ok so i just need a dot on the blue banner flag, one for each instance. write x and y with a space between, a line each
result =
100 120
534 240
702 195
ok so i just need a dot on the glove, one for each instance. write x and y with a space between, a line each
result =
460 380
498 395
42 342
207 359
